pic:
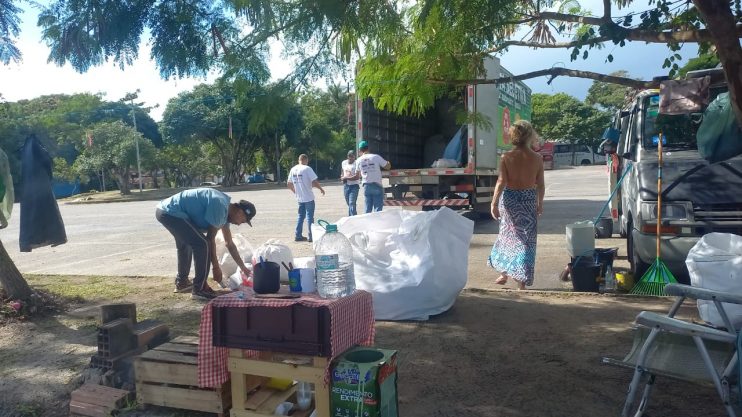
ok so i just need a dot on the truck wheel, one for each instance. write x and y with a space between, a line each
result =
638 267
622 227
586 162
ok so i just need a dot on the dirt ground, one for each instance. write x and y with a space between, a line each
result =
495 353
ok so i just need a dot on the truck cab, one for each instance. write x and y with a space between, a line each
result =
697 197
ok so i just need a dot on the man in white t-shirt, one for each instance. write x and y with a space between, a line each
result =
350 185
301 180
369 166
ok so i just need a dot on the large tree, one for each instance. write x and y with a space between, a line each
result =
607 96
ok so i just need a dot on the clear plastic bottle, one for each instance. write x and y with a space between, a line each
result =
304 395
610 280
334 263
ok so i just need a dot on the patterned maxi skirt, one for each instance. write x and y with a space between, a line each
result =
514 252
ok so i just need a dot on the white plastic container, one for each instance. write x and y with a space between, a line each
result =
581 239
333 257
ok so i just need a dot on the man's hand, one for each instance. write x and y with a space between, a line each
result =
322 190
247 272
495 211
217 273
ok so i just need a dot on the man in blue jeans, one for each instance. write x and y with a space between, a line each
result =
301 180
350 185
369 166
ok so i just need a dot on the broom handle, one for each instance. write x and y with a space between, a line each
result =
659 192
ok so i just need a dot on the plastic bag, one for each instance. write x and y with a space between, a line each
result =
275 251
719 136
227 264
414 263
715 263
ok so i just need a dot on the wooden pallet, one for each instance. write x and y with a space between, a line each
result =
92 400
167 376
253 399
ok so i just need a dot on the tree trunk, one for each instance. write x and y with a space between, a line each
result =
123 180
720 22
15 285
154 178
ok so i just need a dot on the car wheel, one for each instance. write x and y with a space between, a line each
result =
622 227
638 267
586 162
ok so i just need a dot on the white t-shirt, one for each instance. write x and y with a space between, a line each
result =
350 169
370 165
302 176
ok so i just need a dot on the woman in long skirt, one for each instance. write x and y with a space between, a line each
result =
517 202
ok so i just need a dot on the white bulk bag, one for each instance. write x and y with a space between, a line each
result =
275 251
227 264
715 263
414 263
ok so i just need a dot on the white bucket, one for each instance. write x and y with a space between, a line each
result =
580 238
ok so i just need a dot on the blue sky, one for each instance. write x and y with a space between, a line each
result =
34 77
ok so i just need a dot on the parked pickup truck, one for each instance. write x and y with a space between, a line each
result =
414 144
697 197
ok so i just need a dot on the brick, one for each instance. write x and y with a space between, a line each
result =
101 395
111 312
151 333
116 337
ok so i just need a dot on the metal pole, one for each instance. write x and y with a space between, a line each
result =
139 166
278 160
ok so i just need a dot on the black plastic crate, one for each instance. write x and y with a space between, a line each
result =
294 329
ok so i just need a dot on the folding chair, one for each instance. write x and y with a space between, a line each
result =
666 346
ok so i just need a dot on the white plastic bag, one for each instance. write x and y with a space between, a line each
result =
414 263
227 264
275 251
715 263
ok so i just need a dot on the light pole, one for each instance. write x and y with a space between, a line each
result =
139 166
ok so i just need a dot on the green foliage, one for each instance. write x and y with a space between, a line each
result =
563 118
182 164
704 61
9 29
607 96
63 171
114 151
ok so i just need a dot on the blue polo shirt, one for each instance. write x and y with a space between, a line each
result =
204 207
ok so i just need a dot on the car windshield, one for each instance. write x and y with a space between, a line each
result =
678 131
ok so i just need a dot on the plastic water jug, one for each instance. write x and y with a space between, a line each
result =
581 239
333 259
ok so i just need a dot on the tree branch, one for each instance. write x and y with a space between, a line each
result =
693 36
555 72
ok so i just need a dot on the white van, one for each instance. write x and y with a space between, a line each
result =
582 155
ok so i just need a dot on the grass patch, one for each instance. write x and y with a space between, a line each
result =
83 288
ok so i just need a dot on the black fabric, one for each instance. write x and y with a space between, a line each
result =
191 245
41 222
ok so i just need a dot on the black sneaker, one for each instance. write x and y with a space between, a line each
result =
202 295
300 239
184 286
309 240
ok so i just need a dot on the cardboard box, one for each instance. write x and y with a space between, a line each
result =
364 384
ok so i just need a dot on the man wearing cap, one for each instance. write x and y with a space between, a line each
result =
369 166
190 213
350 185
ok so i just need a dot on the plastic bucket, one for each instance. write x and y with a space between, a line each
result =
585 277
604 228
266 278
580 238
605 257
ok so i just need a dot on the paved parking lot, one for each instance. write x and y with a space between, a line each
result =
125 239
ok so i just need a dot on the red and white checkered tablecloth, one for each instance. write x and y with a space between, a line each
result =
351 323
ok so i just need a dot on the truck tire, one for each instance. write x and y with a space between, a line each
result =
586 162
638 267
483 211
622 228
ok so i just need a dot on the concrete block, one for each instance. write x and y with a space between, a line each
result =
110 312
151 333
116 337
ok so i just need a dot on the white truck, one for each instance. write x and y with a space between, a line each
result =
414 144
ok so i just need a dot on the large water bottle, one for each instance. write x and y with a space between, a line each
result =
334 263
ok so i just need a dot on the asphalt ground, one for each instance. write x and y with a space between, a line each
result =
124 239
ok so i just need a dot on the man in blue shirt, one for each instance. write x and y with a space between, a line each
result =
190 213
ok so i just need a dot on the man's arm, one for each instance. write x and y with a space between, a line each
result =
291 186
216 270
316 185
232 248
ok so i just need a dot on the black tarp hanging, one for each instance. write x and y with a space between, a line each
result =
41 222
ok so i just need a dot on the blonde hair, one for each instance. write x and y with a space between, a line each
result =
522 133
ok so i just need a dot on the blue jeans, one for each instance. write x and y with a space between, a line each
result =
351 196
374 194
306 210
